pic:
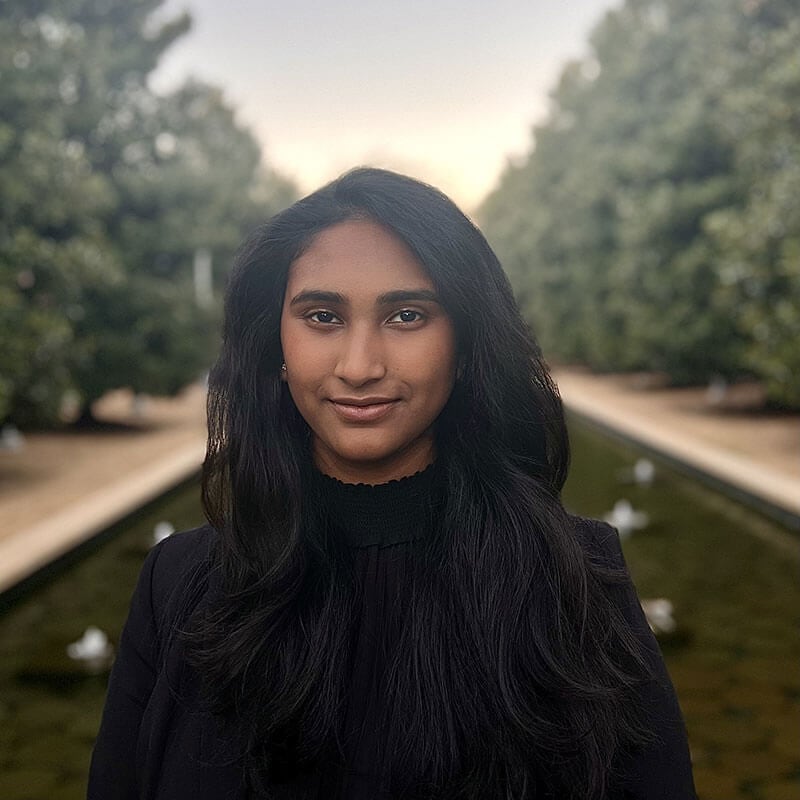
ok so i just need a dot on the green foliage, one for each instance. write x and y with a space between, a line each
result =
759 240
107 190
655 223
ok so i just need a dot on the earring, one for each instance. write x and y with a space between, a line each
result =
283 367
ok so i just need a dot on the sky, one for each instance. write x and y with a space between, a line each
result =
444 90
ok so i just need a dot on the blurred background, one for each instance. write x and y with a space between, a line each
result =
636 166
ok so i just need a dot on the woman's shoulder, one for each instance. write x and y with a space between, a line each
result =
601 545
185 548
179 566
600 541
182 552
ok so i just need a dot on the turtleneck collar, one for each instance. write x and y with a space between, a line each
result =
385 513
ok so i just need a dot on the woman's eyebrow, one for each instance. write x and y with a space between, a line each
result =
318 296
385 299
407 296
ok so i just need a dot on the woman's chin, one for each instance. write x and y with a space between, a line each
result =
372 462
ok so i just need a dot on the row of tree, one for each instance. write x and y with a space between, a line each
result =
655 224
108 192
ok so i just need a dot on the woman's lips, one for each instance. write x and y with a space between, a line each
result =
363 412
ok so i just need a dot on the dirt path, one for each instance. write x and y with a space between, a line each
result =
727 436
55 469
61 488
735 423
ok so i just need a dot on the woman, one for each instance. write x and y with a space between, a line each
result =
390 600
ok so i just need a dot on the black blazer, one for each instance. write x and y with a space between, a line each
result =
156 744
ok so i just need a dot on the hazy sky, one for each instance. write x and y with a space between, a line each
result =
445 90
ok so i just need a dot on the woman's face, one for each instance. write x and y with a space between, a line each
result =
369 352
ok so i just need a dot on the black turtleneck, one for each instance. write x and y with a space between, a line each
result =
383 524
384 514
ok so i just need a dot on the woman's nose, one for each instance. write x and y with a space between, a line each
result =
361 358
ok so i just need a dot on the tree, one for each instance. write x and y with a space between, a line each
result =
759 239
613 226
188 179
51 237
108 191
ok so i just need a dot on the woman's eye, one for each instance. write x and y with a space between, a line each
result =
323 317
406 315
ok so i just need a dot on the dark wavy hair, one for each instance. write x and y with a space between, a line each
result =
514 666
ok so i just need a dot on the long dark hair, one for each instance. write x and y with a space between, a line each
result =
514 665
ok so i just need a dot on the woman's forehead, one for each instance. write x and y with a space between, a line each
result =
357 257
